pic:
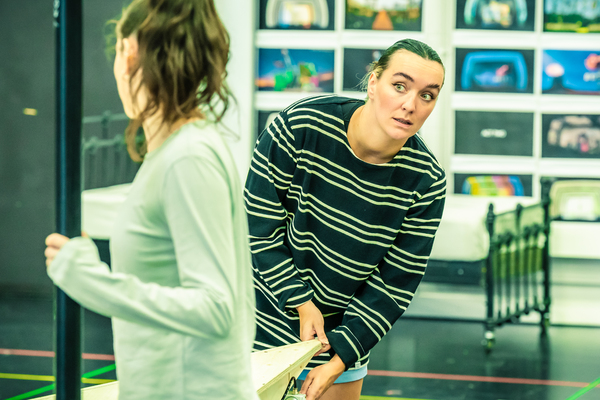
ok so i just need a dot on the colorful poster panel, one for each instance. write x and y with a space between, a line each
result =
493 133
357 63
581 16
510 15
571 72
384 15
493 184
296 14
494 70
295 70
574 198
571 136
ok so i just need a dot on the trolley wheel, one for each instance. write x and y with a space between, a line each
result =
545 324
488 341
489 345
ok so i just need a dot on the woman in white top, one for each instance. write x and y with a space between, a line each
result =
180 291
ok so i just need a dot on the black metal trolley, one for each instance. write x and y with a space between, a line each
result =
517 269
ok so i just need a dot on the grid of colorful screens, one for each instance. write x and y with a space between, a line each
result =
581 16
356 64
512 15
571 135
297 70
494 70
493 133
385 15
493 184
571 72
296 14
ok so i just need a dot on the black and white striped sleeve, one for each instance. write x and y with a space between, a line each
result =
271 171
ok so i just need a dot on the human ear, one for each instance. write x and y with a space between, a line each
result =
371 85
130 51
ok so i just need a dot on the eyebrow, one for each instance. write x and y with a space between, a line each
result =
410 78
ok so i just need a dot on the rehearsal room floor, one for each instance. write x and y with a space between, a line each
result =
420 359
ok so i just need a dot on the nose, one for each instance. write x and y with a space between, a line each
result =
409 102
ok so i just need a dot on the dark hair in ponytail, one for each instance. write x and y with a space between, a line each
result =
414 46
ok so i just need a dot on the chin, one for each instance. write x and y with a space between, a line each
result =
398 134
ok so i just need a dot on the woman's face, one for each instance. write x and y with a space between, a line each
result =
405 93
126 54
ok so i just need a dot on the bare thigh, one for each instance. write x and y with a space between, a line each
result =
344 391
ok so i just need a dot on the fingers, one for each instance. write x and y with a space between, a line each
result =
311 323
311 320
306 384
50 253
54 243
323 349
322 336
56 240
320 378
313 393
309 387
312 387
320 331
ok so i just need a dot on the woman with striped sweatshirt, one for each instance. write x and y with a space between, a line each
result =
343 200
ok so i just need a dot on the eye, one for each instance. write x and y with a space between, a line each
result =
427 96
400 87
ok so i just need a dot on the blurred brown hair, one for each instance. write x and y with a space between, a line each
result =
183 53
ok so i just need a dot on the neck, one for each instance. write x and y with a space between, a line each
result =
368 141
157 131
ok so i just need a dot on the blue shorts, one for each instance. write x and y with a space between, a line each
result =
346 376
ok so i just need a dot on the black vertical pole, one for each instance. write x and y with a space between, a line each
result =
489 280
518 267
68 27
545 322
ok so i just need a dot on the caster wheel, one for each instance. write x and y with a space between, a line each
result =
488 341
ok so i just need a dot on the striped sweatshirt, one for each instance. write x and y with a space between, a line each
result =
325 226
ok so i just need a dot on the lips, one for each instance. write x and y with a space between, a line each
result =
403 121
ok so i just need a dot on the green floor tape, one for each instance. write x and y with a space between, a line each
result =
111 367
48 388
586 389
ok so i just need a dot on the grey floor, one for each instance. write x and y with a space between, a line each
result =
434 352
575 293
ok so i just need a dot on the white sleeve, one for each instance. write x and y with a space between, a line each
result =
198 210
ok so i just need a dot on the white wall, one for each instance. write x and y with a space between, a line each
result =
438 17
238 17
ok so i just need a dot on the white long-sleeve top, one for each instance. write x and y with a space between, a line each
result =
180 291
